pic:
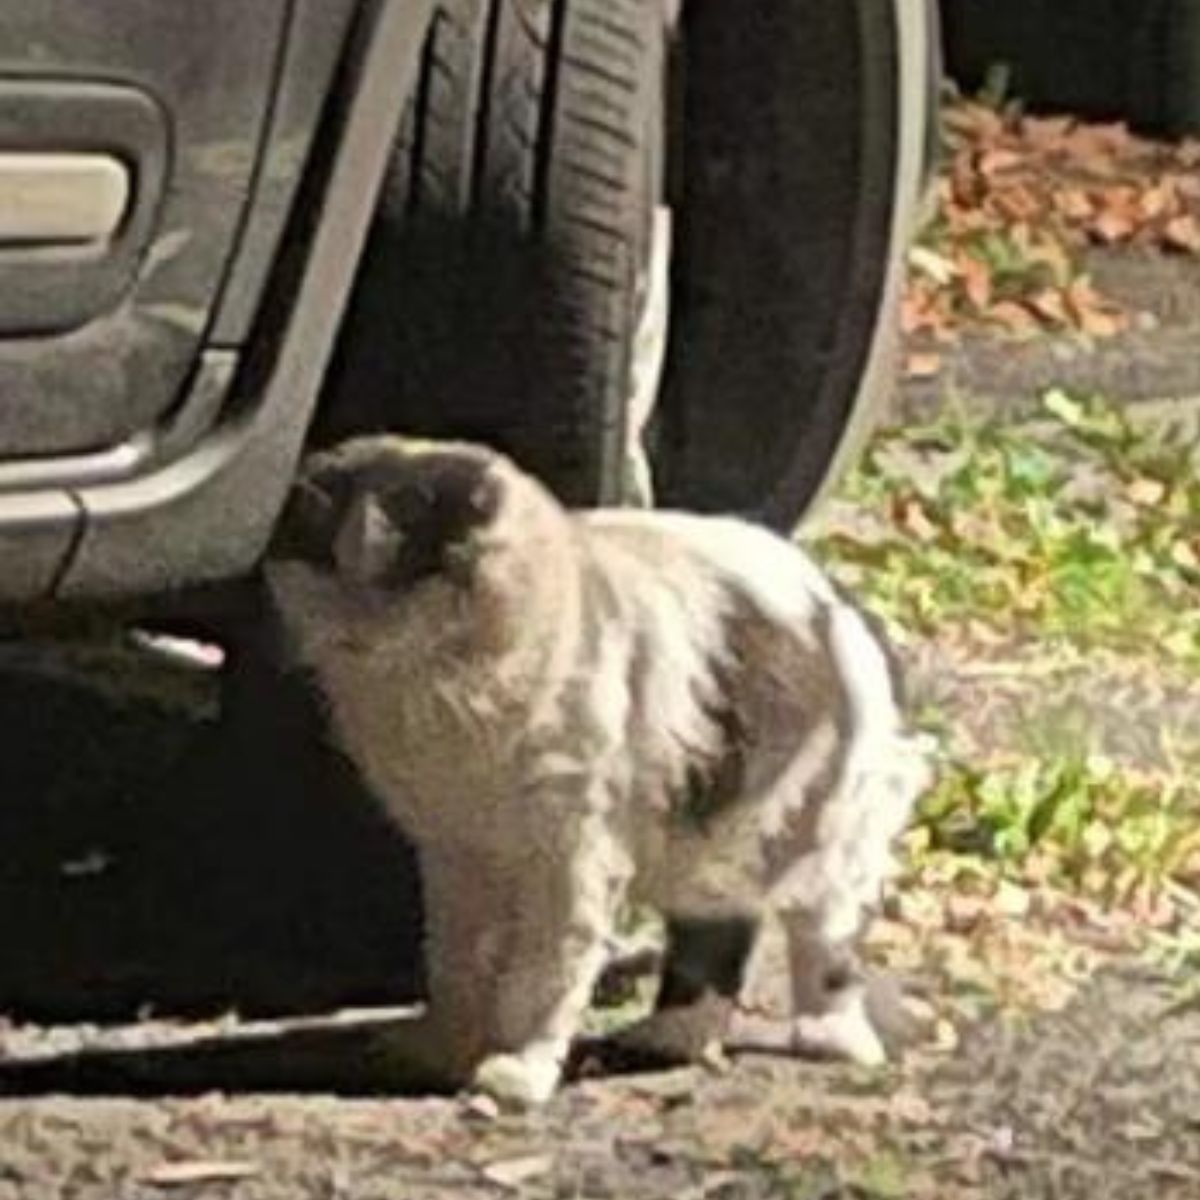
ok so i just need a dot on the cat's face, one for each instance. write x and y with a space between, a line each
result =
388 540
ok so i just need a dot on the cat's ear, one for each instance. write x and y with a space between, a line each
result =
312 515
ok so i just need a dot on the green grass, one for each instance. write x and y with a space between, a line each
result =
1110 833
1078 534
1082 531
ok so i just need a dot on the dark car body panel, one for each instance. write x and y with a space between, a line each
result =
208 515
99 372
147 451
55 509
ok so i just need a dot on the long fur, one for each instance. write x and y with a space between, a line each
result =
568 710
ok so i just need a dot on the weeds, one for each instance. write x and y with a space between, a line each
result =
1079 533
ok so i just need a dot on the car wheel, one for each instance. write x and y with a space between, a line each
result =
514 285
802 145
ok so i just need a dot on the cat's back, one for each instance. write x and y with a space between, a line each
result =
762 591
723 552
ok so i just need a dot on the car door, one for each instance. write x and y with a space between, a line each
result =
130 131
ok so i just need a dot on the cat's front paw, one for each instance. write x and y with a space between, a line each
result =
519 1080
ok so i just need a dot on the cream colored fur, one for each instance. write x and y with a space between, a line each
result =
536 729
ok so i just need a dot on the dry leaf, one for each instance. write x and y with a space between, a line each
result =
1047 132
976 281
994 162
1187 186
1158 200
1183 233
909 514
945 1036
1146 492
1183 554
976 121
1011 900
922 364
1187 153
1093 148
1074 204
1018 202
1102 323
1113 225
925 310
1045 185
1093 313
1053 255
482 1106
1050 305
938 267
1014 317
198 1170
512 1172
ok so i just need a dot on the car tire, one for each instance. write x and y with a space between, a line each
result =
802 142
502 283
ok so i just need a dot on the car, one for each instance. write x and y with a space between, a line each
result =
653 249
1100 59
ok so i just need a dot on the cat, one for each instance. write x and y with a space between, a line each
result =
570 710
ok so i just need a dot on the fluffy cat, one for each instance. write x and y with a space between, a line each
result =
568 710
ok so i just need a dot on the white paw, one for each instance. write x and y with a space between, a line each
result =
845 1033
523 1080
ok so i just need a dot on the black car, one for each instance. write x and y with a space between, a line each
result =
644 245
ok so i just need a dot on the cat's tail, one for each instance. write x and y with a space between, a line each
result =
885 769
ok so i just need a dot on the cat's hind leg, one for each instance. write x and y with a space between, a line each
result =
821 889
701 977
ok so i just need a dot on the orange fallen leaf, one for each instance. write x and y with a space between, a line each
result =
909 514
1014 317
1050 305
1182 233
1046 133
922 364
1187 186
976 280
1093 148
1113 225
1018 202
1074 204
916 310
1158 199
965 184
974 120
1102 323
1093 313
994 162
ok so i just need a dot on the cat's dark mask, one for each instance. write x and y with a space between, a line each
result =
378 516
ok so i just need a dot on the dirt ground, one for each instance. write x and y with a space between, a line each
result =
1099 1100
1153 360
177 905
158 880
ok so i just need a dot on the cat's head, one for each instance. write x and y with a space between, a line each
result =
384 537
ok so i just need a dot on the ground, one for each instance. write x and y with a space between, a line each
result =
1030 533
